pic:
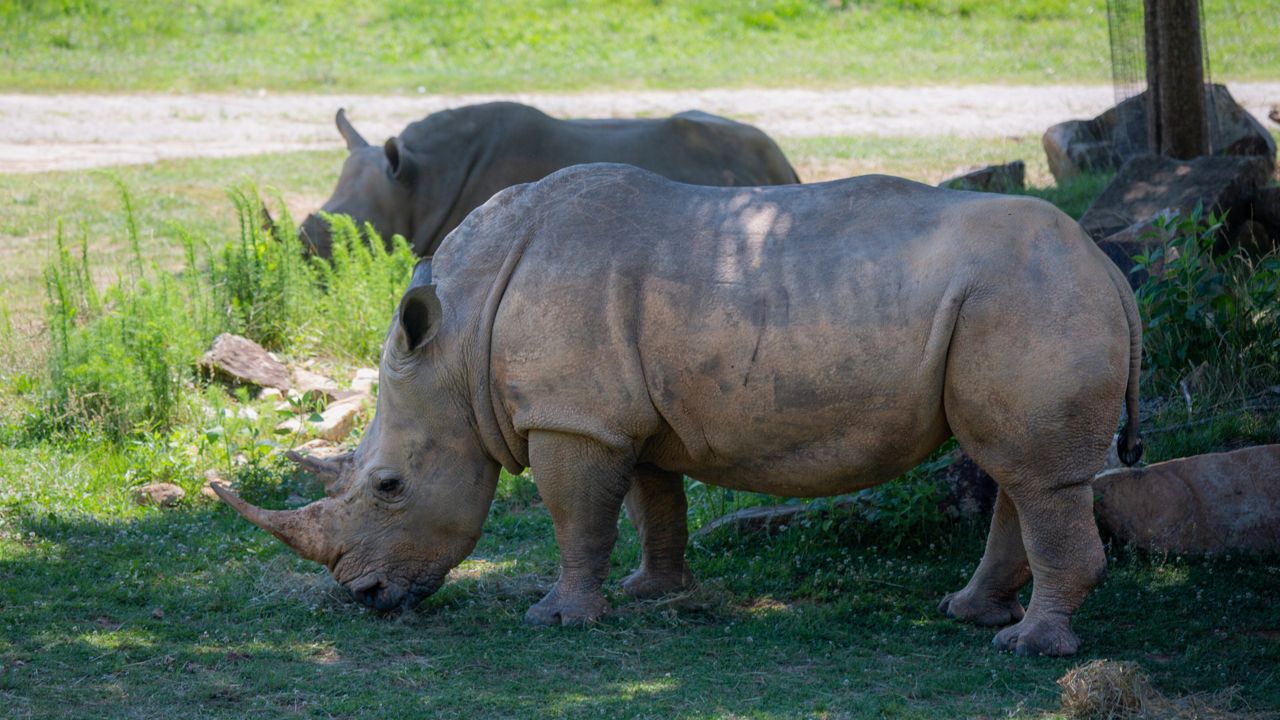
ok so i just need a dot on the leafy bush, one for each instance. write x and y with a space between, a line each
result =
1203 306
355 294
119 359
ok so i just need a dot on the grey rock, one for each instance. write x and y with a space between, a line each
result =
1150 184
992 178
1103 143
241 361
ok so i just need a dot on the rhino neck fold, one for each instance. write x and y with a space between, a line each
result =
496 431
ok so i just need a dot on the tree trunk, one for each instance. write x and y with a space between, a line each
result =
1176 121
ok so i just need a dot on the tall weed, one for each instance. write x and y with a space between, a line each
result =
120 359
1203 306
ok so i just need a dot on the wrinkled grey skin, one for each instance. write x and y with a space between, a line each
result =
423 183
614 331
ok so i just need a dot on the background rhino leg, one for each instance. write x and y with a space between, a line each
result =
657 507
991 597
582 483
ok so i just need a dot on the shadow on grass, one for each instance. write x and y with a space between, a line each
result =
194 613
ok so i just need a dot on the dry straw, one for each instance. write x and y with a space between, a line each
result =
1108 690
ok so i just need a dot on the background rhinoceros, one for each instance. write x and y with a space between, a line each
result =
422 183
614 331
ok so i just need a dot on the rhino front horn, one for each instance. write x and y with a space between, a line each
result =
303 529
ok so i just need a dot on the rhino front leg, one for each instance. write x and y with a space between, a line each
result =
991 597
657 507
583 483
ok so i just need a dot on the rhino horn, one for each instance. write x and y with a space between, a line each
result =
348 132
328 470
303 529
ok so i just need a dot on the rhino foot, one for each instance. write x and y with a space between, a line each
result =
646 585
563 609
1033 637
967 606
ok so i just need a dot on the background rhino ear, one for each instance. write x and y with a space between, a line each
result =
419 317
348 131
400 162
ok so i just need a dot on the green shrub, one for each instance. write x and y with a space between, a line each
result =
261 281
356 292
119 359
1203 306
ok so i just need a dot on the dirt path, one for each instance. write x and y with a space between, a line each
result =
64 132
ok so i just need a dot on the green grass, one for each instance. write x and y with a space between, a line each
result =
110 610
493 45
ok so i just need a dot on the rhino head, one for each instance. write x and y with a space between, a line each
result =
409 505
377 186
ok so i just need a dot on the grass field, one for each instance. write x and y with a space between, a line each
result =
109 610
493 45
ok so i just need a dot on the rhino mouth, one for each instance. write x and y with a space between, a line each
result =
387 596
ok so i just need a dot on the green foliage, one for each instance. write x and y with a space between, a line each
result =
356 292
1204 306
119 360
259 280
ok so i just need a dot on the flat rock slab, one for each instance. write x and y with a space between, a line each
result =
305 381
159 494
242 361
1148 185
1202 504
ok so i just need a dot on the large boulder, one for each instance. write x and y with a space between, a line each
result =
1102 143
1201 504
241 361
1149 185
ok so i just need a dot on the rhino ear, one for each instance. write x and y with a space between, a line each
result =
398 162
348 131
419 317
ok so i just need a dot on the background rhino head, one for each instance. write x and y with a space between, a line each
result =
376 186
410 504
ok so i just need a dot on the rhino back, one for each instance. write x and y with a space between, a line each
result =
789 340
475 151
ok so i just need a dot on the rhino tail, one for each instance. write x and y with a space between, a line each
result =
1129 445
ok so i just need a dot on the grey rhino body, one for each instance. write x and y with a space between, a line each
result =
614 331
422 183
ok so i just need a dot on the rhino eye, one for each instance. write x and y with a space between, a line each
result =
390 486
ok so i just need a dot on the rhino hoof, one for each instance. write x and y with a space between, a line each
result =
964 606
645 585
1035 638
554 610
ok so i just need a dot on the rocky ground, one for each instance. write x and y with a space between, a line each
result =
66 132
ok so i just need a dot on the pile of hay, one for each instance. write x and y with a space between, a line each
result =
1108 690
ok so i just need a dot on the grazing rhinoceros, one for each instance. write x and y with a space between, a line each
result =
424 182
614 331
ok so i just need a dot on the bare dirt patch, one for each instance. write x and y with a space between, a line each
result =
64 132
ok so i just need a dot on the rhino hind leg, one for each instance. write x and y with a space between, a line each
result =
1039 421
583 484
991 596
1067 561
657 507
